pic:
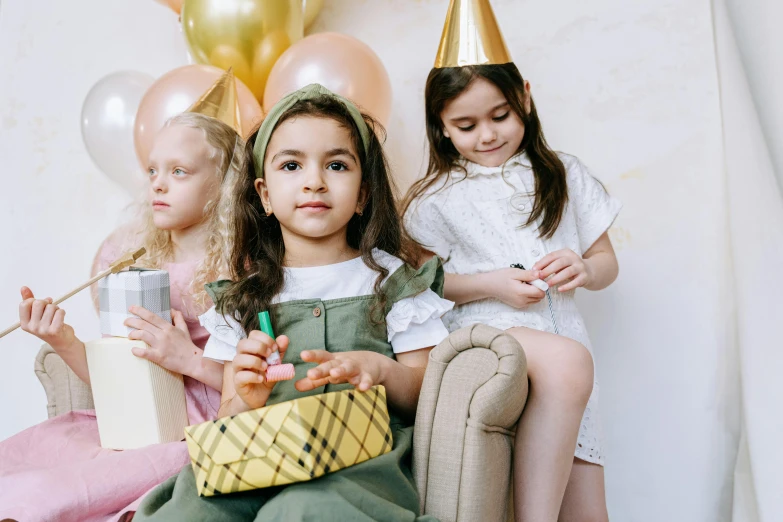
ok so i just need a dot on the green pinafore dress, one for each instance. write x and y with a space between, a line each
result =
380 489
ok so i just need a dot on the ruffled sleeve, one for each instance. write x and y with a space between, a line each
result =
415 306
595 210
225 332
415 322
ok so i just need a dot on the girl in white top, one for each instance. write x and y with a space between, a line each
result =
495 195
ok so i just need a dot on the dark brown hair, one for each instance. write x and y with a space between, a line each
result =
255 244
445 84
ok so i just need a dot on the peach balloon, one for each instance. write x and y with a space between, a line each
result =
174 5
340 63
177 90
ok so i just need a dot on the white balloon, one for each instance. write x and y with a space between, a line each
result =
108 115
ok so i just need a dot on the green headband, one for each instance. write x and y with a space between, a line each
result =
314 90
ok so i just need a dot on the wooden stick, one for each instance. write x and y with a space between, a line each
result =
121 263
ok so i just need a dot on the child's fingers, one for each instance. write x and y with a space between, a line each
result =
247 378
59 320
366 382
25 312
322 370
148 316
26 293
39 305
554 267
142 335
316 356
304 385
257 346
542 263
563 275
150 354
244 361
261 337
346 370
282 345
574 283
179 320
308 384
140 324
531 292
48 316
526 275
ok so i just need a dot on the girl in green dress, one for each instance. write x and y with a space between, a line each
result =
313 236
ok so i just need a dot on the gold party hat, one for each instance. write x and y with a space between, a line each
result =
471 36
220 102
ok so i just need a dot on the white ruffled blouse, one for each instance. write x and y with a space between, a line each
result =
411 324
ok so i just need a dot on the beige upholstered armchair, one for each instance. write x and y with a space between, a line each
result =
473 394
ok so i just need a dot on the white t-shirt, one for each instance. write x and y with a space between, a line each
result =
411 324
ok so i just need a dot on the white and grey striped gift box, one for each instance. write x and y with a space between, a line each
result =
141 287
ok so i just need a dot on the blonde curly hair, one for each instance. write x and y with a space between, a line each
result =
228 149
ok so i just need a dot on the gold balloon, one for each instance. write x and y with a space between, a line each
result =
226 56
248 35
267 54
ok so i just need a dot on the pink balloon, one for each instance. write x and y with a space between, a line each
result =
177 90
340 63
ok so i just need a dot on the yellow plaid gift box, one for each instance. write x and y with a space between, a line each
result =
289 442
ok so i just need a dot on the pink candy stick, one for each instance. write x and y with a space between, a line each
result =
280 372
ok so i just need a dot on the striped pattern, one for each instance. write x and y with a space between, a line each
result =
289 442
149 289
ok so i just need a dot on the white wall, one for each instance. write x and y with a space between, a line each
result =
630 87
56 206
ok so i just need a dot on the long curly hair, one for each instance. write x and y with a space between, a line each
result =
228 151
254 241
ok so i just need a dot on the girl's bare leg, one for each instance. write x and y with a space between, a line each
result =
585 496
560 371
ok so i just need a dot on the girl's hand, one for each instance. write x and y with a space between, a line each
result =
510 285
45 320
568 267
170 345
250 366
362 369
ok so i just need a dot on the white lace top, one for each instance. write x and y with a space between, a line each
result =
476 224
411 324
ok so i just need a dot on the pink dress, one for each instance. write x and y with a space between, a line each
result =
57 470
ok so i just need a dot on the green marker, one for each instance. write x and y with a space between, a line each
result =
265 324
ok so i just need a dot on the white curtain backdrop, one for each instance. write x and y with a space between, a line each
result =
755 212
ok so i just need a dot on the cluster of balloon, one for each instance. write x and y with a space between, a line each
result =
263 42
